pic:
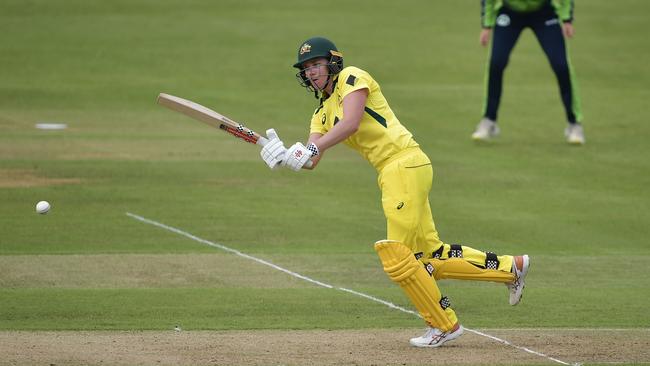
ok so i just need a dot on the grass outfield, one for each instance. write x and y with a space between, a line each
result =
581 213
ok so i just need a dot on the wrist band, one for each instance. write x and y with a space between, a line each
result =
313 149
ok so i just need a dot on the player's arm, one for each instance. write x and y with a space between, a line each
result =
314 159
353 109
488 18
565 12
488 13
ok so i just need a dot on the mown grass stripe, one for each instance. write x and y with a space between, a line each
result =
369 297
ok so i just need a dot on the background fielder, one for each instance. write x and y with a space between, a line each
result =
354 111
550 21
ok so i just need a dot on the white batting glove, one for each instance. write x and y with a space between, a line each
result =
273 152
298 155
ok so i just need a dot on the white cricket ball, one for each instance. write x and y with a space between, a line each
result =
42 207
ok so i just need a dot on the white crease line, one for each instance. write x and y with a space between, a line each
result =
223 247
577 329
291 273
518 347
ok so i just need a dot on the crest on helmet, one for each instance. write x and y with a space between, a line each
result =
306 47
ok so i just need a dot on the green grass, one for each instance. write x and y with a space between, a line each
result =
582 213
194 308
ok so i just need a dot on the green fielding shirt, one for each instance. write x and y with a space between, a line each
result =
490 8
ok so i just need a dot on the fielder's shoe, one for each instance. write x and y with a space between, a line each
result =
520 266
574 134
485 130
434 337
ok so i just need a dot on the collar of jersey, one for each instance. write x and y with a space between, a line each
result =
335 83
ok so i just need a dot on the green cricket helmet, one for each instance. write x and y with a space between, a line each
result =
317 47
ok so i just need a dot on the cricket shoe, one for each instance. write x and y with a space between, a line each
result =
574 134
434 337
520 266
485 130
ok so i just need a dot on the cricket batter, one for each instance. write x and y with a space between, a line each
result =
551 21
353 110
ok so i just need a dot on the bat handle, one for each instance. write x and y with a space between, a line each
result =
309 164
262 141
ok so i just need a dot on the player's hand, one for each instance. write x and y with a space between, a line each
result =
273 152
484 37
298 155
567 29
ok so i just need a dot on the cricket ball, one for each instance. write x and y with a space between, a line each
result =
43 207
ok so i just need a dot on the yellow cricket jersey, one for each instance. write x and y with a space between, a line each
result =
380 135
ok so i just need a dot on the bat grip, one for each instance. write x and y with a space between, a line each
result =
262 141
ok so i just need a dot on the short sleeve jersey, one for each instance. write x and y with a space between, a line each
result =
380 134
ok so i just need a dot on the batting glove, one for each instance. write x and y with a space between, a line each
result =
298 155
273 152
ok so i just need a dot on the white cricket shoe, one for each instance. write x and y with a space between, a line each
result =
520 266
485 130
574 134
434 337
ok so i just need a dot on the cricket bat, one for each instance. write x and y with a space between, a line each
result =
214 119
210 117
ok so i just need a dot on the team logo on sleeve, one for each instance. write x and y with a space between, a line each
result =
503 20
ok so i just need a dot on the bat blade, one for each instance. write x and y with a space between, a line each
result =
210 117
214 119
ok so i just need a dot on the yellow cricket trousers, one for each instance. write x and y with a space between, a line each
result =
405 182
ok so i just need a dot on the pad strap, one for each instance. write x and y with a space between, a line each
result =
456 251
445 302
438 253
491 261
